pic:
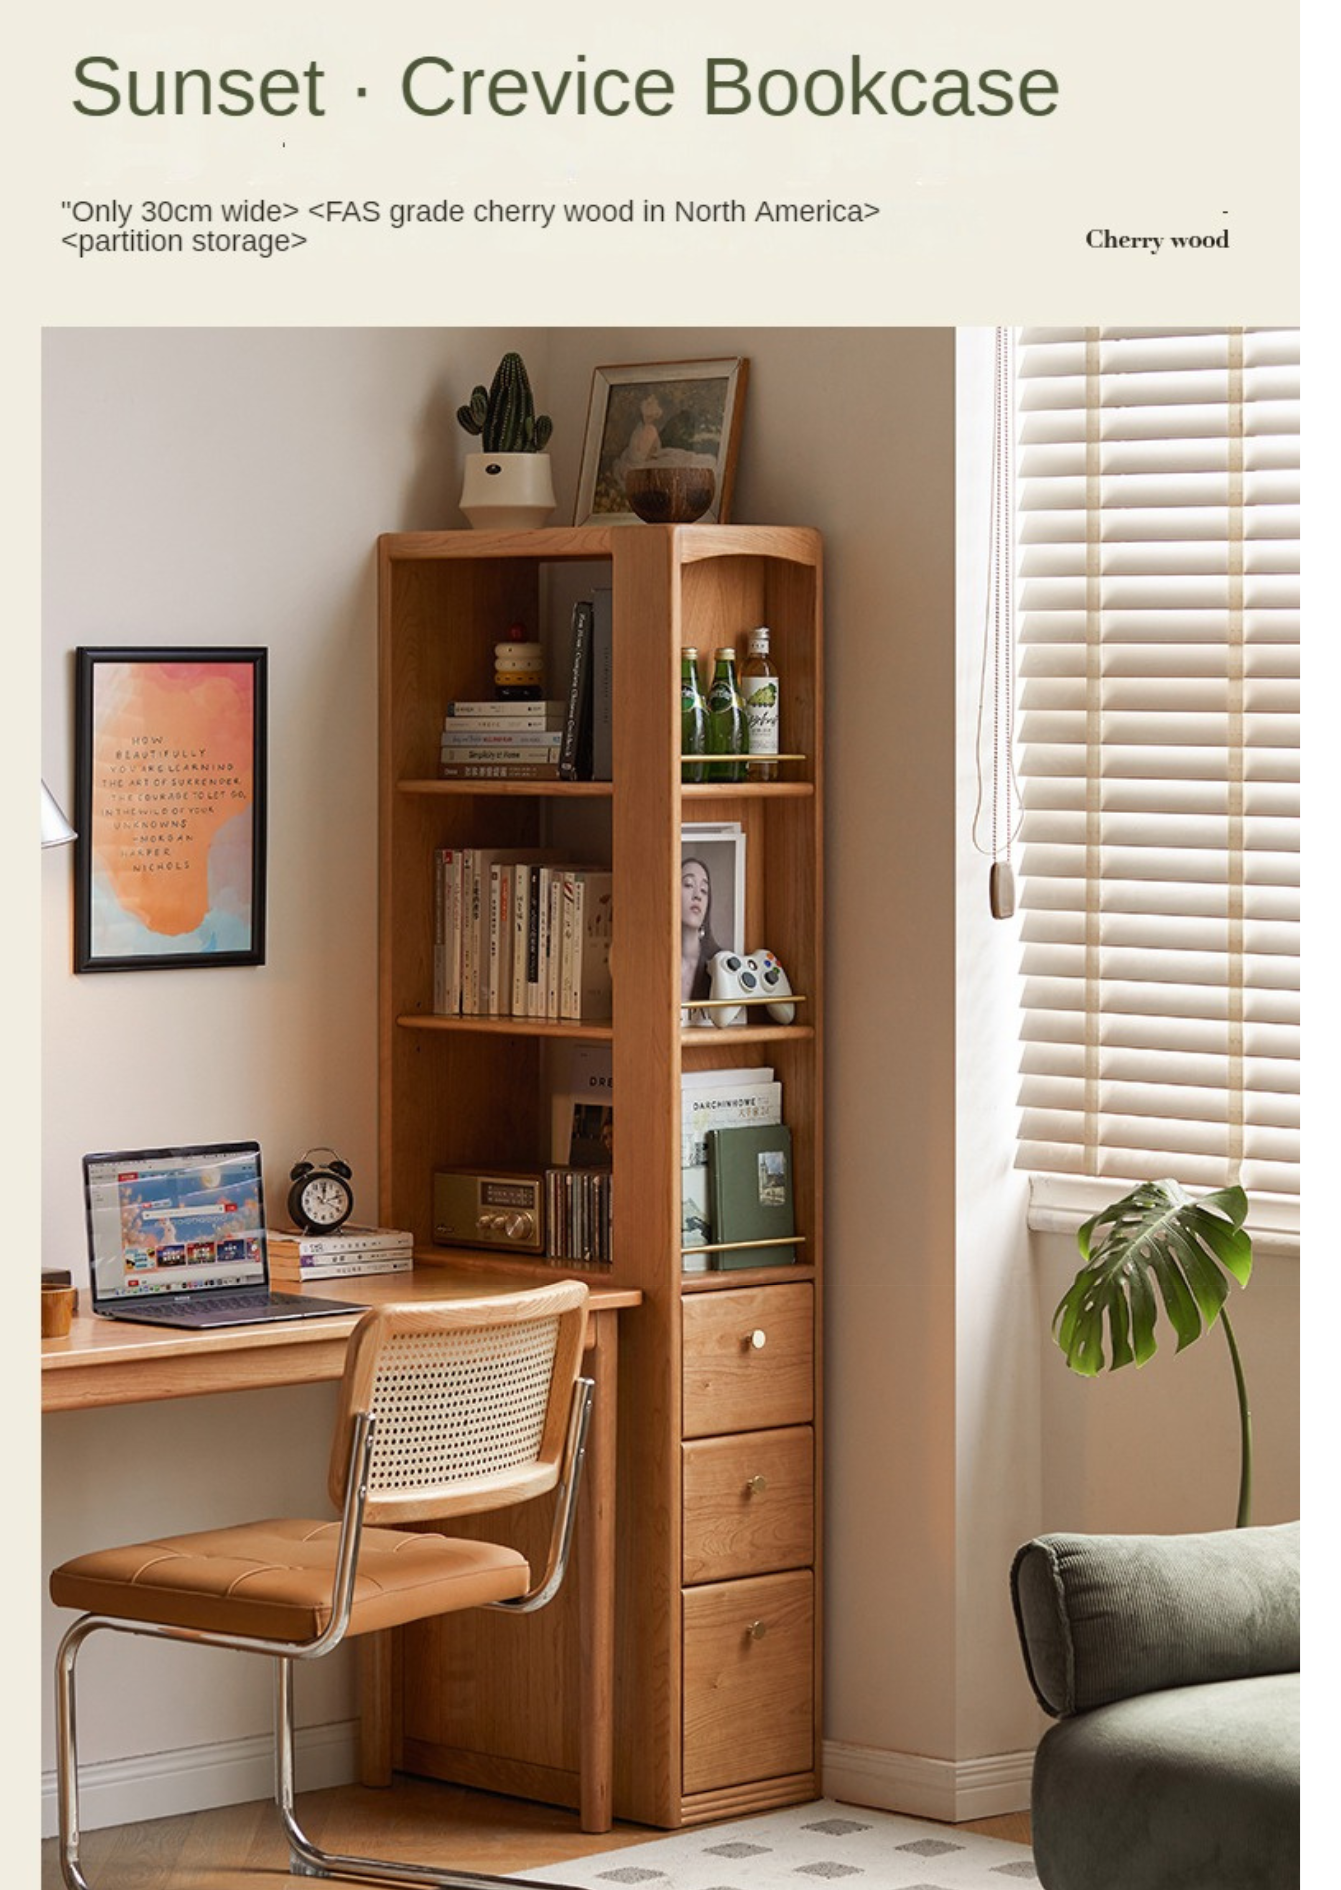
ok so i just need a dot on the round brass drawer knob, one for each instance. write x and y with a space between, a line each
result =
755 1486
757 1630
757 1339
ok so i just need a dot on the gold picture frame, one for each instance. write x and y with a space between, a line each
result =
662 412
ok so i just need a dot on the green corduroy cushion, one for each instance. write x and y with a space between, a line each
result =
1189 1788
1107 1617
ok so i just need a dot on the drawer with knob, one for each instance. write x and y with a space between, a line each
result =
749 1504
749 1688
748 1359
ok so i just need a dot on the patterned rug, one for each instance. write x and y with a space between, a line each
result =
811 1844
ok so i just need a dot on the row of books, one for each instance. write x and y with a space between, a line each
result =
521 933
567 738
735 1170
577 1215
296 1258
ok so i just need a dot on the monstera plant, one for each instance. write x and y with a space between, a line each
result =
1159 1245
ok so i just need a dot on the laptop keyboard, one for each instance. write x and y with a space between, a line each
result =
245 1307
241 1302
253 1301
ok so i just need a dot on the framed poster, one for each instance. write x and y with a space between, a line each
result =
712 907
170 751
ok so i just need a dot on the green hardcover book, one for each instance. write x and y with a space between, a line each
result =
750 1186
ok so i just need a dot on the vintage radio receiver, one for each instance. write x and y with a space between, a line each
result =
479 1208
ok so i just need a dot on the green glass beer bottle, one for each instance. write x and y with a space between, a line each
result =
727 733
693 715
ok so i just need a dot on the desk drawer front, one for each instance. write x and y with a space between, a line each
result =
748 1681
748 1360
749 1504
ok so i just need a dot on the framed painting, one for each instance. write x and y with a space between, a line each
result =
170 792
664 414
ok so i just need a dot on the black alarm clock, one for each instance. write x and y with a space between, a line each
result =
321 1198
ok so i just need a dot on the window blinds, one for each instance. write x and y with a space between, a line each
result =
1158 618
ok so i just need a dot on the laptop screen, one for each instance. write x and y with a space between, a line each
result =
174 1220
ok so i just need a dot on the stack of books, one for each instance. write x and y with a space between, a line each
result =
297 1258
519 741
710 1100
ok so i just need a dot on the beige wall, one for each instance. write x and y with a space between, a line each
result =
228 485
997 1342
853 431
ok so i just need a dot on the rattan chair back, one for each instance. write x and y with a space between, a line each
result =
471 1401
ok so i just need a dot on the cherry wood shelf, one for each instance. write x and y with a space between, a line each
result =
526 790
746 1276
474 1092
507 1026
705 1036
746 790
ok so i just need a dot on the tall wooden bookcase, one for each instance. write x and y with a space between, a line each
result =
718 1631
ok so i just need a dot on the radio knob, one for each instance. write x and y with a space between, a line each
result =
487 1223
519 1226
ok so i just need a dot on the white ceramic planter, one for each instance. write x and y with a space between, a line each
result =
507 491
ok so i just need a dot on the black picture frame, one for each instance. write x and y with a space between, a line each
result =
170 807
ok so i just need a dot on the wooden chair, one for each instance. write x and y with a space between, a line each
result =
444 1409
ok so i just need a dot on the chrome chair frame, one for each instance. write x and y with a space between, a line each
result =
307 1859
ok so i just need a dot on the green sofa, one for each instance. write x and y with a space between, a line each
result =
1171 1665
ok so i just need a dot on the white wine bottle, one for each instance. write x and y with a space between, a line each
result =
759 691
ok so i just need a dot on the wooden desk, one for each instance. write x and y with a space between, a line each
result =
107 1362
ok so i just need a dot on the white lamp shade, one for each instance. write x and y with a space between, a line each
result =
56 829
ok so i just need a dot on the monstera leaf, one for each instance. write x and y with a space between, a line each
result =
1158 1245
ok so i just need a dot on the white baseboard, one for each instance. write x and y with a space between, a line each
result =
950 1791
199 1778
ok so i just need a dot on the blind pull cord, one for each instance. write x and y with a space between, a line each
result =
996 690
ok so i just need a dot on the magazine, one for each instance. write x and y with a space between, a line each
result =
715 1100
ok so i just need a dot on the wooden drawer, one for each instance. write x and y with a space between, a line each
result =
748 1360
749 1702
749 1504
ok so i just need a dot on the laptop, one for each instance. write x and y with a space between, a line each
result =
176 1237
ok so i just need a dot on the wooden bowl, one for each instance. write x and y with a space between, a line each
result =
670 495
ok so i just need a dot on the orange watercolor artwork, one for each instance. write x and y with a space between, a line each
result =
172 763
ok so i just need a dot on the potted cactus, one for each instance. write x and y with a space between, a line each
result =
508 485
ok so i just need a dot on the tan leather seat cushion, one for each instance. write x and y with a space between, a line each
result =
274 1579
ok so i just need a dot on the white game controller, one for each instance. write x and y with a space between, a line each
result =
758 979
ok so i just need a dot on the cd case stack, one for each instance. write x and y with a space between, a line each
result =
577 1215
